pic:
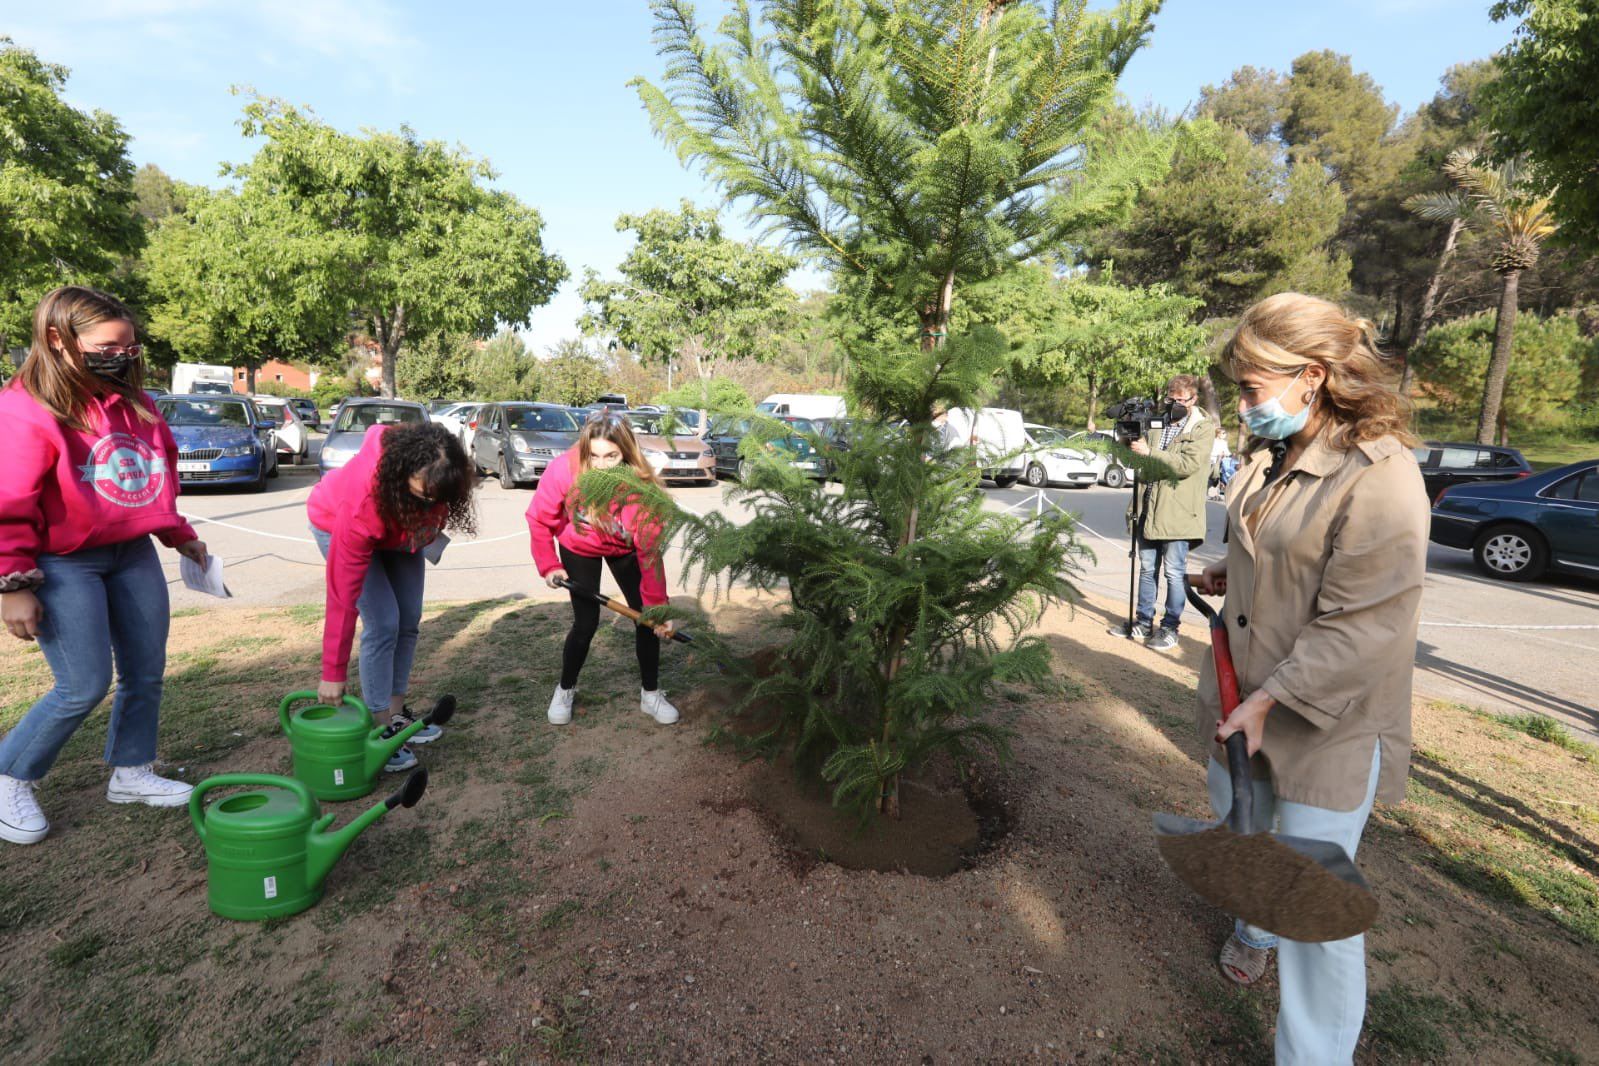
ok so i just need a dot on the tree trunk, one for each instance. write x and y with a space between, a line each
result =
1429 300
249 378
391 334
1093 399
1493 389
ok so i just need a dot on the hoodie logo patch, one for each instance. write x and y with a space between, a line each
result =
125 470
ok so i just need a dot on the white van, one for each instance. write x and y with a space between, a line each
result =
998 434
802 405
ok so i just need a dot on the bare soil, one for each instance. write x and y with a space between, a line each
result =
620 891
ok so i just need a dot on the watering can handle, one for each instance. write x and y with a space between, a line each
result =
295 697
197 813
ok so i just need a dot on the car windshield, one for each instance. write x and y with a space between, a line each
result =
800 425
1045 435
204 413
540 419
647 423
686 417
366 415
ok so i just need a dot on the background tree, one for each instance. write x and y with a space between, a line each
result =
689 293
66 191
417 243
1543 106
1250 100
573 375
909 147
438 366
1519 224
503 369
1542 385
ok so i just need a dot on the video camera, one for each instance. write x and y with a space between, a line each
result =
1135 418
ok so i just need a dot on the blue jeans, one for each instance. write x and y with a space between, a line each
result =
1172 557
1322 987
102 607
391 618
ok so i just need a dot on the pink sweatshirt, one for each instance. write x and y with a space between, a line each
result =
64 491
344 504
629 530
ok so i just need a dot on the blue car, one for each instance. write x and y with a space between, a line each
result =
222 440
1520 530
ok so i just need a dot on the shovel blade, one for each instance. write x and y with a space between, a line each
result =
1305 890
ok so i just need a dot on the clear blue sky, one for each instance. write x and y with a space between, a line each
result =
540 88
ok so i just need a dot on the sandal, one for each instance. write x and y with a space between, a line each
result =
1242 964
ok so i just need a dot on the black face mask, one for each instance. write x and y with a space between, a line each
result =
113 367
1176 411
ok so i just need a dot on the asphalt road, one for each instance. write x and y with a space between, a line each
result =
1502 647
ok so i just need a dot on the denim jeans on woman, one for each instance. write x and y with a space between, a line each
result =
391 618
104 608
1155 557
1322 998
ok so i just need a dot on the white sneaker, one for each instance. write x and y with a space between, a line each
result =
656 706
21 820
141 784
561 705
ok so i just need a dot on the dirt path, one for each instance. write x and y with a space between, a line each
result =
612 892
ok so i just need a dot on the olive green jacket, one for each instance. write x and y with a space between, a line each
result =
1176 510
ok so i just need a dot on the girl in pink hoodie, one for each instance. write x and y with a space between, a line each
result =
90 475
569 542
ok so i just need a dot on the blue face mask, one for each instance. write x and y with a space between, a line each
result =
1269 421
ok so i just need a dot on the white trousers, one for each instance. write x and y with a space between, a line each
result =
1323 986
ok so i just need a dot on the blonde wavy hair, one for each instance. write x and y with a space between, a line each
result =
1289 331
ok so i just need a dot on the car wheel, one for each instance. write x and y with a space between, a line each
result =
260 483
1004 482
1511 553
1115 477
507 482
1036 477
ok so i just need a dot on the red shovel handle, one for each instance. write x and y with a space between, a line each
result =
1220 650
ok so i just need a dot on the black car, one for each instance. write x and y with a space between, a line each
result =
1518 530
1445 464
726 434
516 441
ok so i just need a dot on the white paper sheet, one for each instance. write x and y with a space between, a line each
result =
207 578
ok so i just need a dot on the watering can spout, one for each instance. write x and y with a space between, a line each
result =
324 848
384 742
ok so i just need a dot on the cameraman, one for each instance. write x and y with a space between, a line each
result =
1171 516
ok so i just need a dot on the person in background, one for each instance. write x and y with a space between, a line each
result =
569 543
1170 515
371 519
1328 523
90 476
1219 472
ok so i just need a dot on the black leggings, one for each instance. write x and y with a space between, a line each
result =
584 572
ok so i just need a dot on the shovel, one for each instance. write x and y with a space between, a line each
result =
1305 890
620 608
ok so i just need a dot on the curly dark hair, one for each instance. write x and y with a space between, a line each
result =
428 451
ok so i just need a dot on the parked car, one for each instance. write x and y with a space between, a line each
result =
455 417
308 412
679 456
995 434
725 434
294 439
1050 462
436 405
802 405
1519 530
354 417
1111 473
1444 465
516 441
221 440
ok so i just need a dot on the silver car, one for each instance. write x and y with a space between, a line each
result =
354 418
516 441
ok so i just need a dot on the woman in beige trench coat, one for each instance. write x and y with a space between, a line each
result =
1327 543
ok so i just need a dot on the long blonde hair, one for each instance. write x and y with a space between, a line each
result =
1289 331
615 429
60 381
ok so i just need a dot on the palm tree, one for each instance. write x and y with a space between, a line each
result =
1519 223
1455 209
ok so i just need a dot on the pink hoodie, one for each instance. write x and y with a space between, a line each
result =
549 520
345 505
64 491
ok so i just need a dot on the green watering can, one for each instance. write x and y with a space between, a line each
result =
338 752
269 850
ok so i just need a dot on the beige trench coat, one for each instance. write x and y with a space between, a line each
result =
1323 601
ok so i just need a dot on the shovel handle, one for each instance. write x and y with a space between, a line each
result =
1220 649
620 608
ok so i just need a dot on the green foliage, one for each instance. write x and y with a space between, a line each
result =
1231 223
720 395
906 147
330 389
1250 100
503 370
1340 119
689 292
66 191
571 375
441 365
1546 367
407 233
1543 105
